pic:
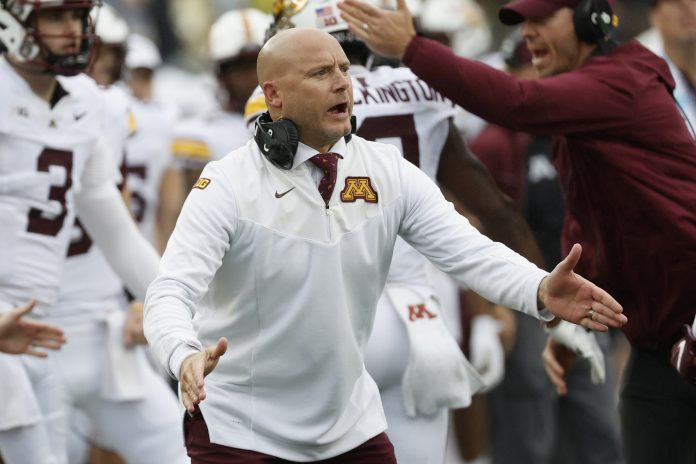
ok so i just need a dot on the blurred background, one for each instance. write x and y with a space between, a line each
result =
180 28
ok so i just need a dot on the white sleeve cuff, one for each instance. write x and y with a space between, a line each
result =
531 307
546 315
180 353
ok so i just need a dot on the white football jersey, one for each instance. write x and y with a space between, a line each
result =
147 157
393 105
199 140
44 152
87 280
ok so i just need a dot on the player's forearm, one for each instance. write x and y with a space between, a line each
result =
171 199
109 223
489 268
470 183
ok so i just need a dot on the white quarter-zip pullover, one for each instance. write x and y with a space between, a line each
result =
257 257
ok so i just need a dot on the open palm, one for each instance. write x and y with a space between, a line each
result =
571 297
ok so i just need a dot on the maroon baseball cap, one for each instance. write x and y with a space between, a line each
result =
517 11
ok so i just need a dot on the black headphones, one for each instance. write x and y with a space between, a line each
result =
278 140
593 20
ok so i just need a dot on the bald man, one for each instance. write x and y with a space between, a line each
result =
266 253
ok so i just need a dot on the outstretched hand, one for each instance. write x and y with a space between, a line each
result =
571 297
194 369
386 32
19 335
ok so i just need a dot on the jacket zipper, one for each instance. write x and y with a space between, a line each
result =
328 222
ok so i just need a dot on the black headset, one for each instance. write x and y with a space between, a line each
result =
278 140
594 20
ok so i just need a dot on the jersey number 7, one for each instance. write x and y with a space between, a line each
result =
400 126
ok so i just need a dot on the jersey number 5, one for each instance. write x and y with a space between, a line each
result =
138 202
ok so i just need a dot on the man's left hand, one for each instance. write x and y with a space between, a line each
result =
573 298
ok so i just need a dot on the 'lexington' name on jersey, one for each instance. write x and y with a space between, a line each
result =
403 90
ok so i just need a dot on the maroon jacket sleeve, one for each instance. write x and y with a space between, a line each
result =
586 99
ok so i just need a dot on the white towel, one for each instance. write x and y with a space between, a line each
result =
126 367
20 407
438 375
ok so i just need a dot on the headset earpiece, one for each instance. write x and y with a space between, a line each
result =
593 20
277 140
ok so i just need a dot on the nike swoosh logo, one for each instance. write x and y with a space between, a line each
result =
79 116
280 195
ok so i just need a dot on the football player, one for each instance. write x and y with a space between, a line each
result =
130 409
54 162
156 188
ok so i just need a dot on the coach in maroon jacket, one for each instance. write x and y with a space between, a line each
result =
627 164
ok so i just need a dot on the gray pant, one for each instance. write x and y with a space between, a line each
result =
658 411
531 424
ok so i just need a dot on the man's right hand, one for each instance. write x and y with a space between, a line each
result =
386 32
194 369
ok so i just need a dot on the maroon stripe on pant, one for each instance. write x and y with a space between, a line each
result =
377 450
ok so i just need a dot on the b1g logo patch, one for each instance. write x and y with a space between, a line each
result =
358 188
201 183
